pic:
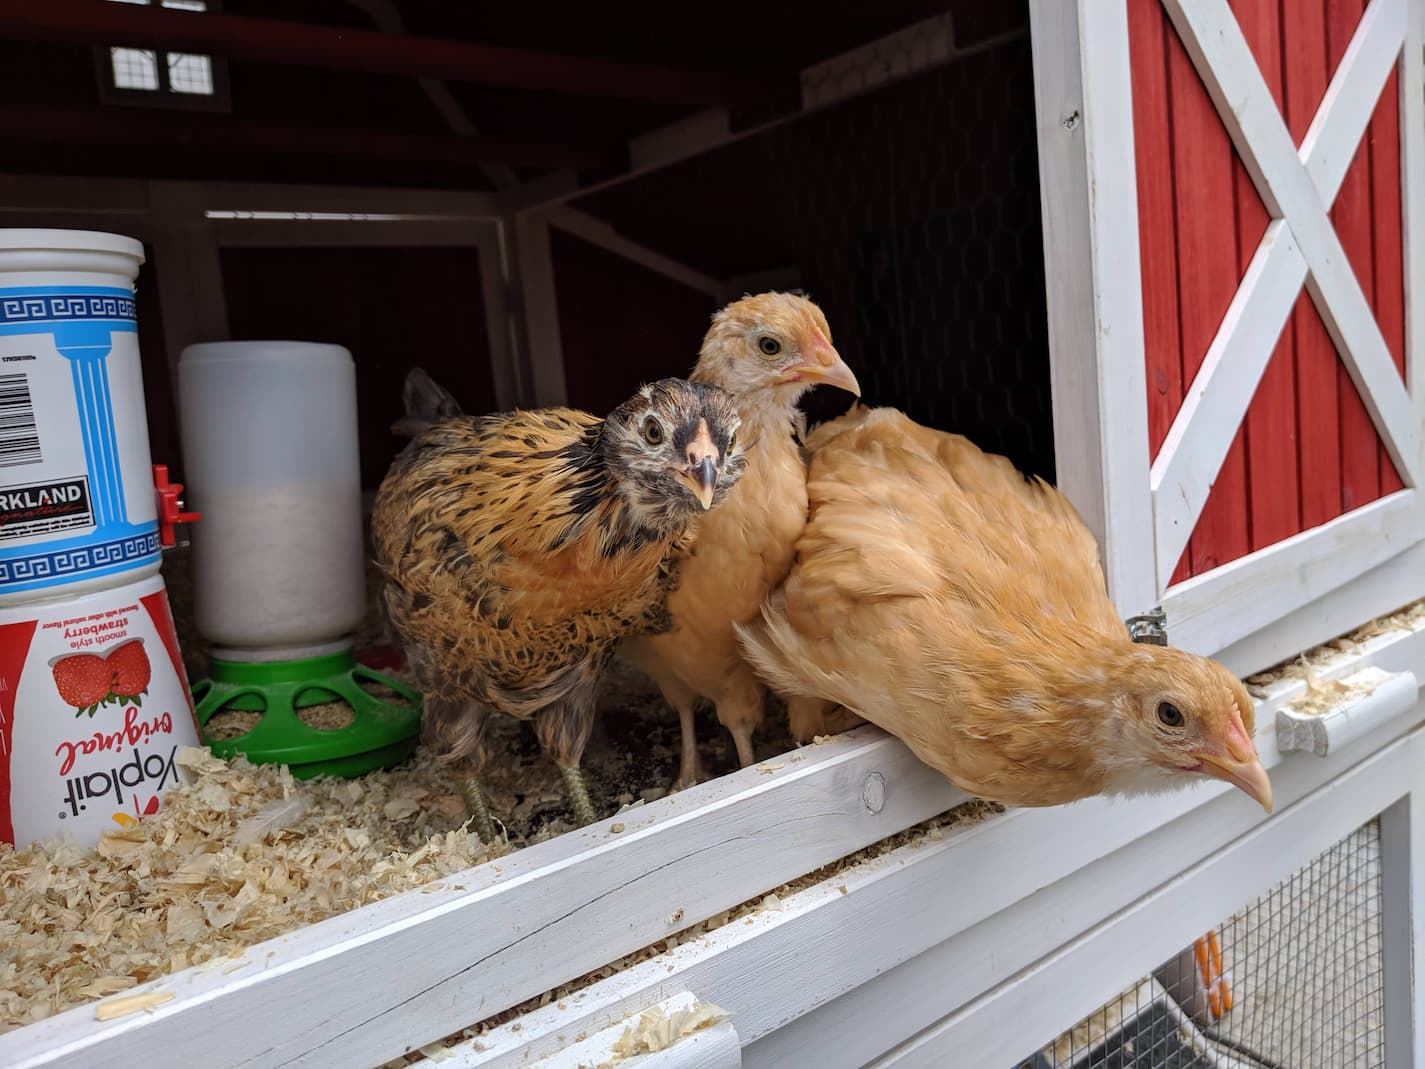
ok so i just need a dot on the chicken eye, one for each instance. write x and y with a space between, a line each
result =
769 345
652 431
1170 715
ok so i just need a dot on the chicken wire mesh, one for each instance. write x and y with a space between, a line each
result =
906 204
1294 980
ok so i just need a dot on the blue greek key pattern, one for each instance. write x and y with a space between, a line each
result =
67 563
51 308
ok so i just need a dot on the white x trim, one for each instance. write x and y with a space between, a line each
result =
1300 246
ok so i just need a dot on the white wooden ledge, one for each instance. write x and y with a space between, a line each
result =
390 977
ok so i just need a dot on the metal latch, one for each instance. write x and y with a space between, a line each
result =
1150 627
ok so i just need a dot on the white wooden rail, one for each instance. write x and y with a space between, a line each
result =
1066 986
1084 116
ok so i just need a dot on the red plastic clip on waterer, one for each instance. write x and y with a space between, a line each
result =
170 506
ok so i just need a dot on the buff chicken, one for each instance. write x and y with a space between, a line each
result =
519 548
942 595
767 351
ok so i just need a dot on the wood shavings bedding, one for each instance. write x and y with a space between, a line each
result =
1308 665
246 853
243 854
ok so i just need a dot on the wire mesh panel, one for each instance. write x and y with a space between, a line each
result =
1292 981
910 213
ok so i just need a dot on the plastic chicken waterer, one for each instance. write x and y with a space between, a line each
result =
270 459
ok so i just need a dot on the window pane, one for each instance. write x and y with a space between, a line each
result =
184 5
134 68
190 74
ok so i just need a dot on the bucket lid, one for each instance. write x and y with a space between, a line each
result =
70 240
272 350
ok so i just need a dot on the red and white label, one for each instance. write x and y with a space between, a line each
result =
94 705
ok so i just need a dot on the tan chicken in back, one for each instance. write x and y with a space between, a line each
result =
766 351
959 605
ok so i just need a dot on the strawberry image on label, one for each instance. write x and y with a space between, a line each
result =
131 668
83 680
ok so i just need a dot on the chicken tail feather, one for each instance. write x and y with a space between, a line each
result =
426 402
773 648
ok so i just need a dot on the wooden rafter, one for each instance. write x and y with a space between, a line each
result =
214 133
1298 188
300 44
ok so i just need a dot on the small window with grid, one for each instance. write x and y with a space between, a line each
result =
154 77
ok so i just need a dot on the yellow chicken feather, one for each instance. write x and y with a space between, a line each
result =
942 595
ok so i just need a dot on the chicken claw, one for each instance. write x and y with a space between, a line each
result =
477 808
578 794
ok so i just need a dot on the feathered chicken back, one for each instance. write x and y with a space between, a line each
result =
518 547
958 604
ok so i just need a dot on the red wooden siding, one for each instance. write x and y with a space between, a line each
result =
1307 451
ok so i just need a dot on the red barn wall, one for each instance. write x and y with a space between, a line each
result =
1307 451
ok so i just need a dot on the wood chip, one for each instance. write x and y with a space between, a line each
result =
122 1007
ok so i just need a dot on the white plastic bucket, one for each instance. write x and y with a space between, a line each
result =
94 705
77 503
271 461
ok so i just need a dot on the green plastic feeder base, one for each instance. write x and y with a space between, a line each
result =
383 731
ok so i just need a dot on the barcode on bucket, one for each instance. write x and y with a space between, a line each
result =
19 438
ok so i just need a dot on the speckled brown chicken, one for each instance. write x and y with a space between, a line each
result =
519 548
960 606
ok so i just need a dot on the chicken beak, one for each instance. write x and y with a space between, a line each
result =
700 476
1240 765
822 363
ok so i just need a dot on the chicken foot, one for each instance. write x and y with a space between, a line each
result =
563 730
578 794
741 705
456 731
690 764
478 809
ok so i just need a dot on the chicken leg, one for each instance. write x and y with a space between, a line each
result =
456 732
690 765
741 705
563 730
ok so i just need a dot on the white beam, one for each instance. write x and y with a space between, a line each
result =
1402 859
1335 133
1031 1008
1088 188
1412 159
1217 400
597 232
1209 612
539 305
